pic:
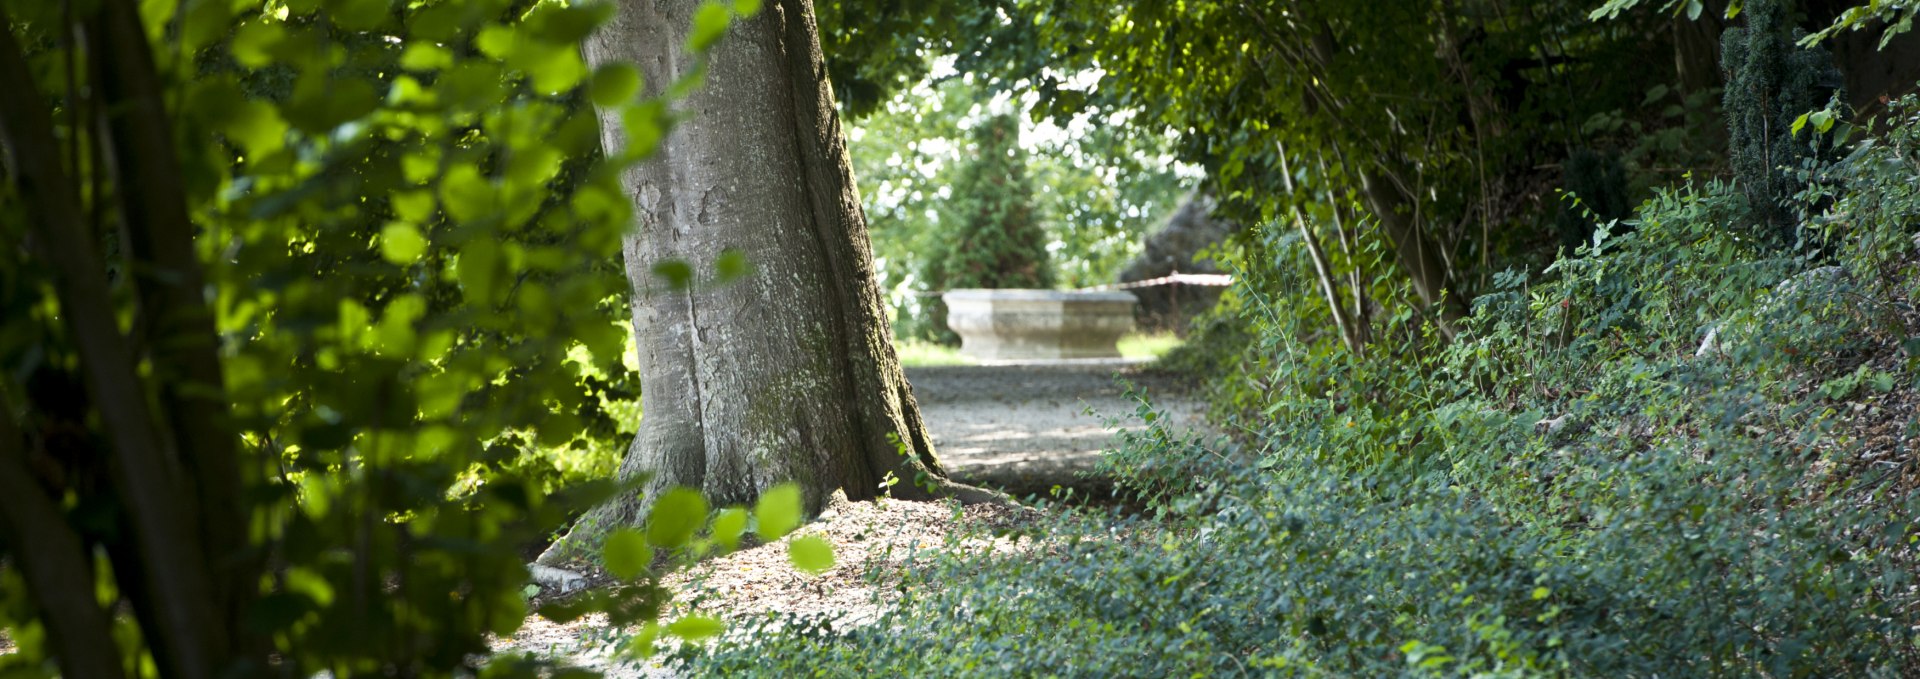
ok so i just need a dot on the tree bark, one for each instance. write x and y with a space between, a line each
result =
788 374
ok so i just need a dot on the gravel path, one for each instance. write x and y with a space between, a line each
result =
1027 427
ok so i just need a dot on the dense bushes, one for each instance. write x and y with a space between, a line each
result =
1574 486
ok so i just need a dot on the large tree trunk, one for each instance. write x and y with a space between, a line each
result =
789 373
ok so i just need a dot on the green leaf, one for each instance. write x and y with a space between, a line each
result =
395 335
256 126
357 15
471 84
746 8
626 554
810 553
321 103
731 265
311 583
1823 121
253 44
468 197
615 84
425 56
553 68
675 517
477 270
561 24
441 393
678 274
728 526
778 511
1655 93
496 41
204 22
413 206
709 24
646 125
696 627
642 644
401 243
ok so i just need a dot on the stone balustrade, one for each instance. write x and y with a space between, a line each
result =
1017 325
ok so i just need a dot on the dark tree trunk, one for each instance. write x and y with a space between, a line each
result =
1415 253
167 492
788 373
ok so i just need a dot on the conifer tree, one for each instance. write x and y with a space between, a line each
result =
1770 83
997 240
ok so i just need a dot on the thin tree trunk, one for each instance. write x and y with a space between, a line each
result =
788 374
1322 269
181 343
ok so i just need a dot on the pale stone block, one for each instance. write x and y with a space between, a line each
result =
1017 325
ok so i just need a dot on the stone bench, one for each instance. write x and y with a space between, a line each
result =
1012 325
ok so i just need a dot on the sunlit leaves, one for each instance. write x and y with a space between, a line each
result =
728 525
567 23
413 206
257 127
321 103
405 224
646 125
811 553
256 43
553 67
467 196
709 23
395 334
731 265
471 85
626 554
401 243
778 511
479 270
696 627
675 516
357 15
615 84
